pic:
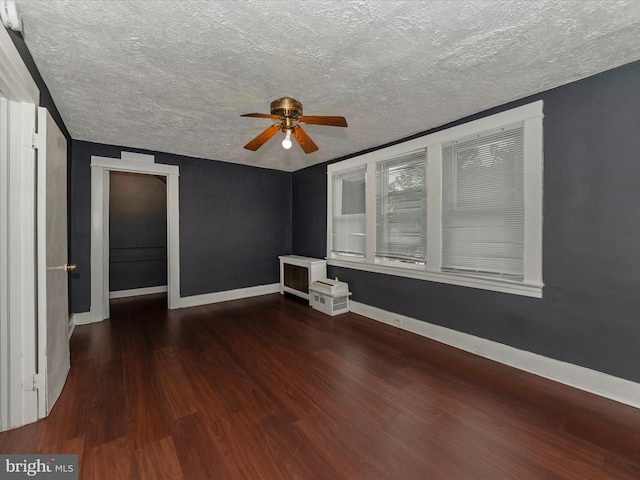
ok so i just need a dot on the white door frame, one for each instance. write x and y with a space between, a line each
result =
18 398
5 352
133 163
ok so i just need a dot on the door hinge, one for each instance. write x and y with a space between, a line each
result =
34 382
38 141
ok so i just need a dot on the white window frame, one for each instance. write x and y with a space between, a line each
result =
531 116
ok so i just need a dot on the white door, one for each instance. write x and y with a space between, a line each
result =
53 310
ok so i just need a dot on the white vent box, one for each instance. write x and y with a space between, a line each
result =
329 296
330 287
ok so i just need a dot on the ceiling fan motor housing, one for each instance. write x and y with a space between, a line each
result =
286 107
288 112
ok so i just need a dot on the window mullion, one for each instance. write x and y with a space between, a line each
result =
329 215
370 201
434 208
533 173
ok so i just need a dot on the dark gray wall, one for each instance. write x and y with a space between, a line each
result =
309 211
234 222
137 231
590 311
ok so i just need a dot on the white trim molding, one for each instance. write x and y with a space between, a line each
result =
136 292
493 284
18 280
592 381
82 318
216 297
16 82
134 163
137 157
85 318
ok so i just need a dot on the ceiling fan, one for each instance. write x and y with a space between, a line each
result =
288 112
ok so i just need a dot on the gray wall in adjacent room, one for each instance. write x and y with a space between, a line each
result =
137 231
235 221
590 311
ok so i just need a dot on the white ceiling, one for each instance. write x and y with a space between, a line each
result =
174 75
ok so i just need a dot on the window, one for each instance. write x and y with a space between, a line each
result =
483 204
401 209
460 206
349 215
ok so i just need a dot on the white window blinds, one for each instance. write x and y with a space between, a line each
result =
483 204
349 213
401 209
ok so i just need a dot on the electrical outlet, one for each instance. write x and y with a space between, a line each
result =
397 321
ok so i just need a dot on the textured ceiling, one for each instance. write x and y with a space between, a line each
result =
174 75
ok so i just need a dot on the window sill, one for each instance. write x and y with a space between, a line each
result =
484 283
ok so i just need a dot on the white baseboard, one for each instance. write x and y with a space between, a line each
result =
81 319
216 297
96 313
602 384
138 291
185 302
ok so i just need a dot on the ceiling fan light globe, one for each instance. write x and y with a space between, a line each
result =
286 143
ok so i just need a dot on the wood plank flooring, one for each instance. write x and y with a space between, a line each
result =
267 388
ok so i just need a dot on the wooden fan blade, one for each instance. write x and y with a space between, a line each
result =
263 115
323 120
303 139
261 139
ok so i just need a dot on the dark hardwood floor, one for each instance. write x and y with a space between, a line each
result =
266 388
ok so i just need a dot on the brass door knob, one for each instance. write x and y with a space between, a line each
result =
70 267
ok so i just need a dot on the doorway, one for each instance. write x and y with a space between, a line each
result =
137 234
100 186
